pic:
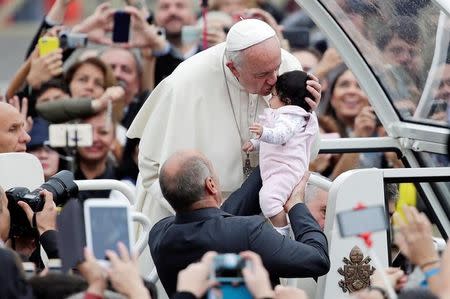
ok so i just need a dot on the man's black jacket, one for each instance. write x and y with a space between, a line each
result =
179 240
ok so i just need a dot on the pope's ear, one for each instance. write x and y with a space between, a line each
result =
233 69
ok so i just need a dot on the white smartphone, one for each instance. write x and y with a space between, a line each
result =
62 135
355 222
106 223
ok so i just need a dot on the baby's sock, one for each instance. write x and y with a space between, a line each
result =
283 230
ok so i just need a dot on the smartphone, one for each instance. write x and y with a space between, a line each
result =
107 222
227 270
191 34
298 37
355 222
47 44
72 40
121 28
62 135
29 268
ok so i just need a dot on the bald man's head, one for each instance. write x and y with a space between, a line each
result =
183 177
13 137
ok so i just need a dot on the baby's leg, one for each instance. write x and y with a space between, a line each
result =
272 197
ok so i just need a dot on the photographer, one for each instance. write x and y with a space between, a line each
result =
4 217
45 223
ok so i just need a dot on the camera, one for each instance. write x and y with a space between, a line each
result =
228 267
72 40
227 270
61 185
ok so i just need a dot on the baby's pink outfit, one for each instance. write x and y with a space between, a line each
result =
285 147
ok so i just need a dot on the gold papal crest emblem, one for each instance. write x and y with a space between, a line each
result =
356 271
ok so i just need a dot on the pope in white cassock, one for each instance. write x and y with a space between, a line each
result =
207 104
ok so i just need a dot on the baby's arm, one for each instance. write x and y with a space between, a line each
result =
285 127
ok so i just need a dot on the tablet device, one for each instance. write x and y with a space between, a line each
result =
62 135
107 222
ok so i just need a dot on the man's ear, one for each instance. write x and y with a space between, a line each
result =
233 69
211 186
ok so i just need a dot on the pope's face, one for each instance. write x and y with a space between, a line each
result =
258 71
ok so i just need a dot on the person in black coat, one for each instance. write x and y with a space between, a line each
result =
190 184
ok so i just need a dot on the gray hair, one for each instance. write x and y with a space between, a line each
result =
187 186
312 190
237 57
136 57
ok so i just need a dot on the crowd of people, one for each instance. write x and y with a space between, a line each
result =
153 99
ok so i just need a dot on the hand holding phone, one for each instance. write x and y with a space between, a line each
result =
195 278
121 29
227 271
107 223
356 222
256 276
47 44
62 135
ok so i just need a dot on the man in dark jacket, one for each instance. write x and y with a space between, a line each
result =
190 184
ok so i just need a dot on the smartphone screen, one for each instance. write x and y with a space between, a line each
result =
121 29
108 226
355 222
229 291
190 34
62 135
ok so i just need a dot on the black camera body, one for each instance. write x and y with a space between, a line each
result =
61 185
228 268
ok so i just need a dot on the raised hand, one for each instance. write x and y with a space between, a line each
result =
365 122
97 25
414 237
44 68
144 35
195 278
23 109
124 273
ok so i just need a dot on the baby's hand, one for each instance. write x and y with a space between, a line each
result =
248 147
257 129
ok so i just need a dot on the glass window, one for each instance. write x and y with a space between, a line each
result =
406 44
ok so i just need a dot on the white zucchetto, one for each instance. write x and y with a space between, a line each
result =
247 33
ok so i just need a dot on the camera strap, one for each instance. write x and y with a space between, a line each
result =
33 221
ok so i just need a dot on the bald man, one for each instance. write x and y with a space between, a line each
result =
192 188
13 137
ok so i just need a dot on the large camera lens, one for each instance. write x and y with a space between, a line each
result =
62 186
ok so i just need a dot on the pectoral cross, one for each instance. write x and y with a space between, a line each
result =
247 167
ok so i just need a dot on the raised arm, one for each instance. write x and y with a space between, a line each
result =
285 127
307 255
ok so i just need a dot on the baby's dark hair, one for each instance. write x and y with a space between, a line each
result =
291 89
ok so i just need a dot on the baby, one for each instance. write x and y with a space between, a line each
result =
284 140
